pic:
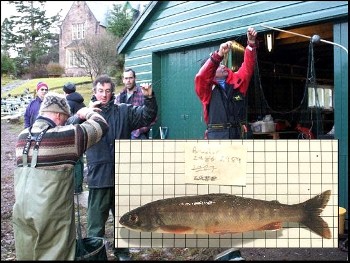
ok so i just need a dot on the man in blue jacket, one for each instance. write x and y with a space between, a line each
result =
32 109
122 119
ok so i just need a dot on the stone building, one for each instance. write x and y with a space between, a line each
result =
82 19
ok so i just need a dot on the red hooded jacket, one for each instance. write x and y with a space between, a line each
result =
205 78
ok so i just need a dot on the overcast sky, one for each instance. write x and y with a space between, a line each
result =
53 7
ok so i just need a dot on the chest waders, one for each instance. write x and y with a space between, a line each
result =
226 120
43 214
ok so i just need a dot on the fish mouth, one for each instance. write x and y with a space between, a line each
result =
130 221
123 220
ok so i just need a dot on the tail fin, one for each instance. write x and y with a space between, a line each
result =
312 209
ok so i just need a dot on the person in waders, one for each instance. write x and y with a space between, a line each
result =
46 152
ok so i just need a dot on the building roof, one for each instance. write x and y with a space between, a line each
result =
99 9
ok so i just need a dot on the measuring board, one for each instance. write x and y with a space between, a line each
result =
289 171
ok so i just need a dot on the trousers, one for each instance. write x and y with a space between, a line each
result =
100 202
79 175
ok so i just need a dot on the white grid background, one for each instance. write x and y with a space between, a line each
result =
290 171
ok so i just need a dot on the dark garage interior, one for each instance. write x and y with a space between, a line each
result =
285 76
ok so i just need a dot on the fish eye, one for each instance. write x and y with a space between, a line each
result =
133 218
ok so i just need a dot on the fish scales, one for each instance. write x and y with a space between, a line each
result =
224 213
219 213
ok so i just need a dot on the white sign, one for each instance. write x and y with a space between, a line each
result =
215 164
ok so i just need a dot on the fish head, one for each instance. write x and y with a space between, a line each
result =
140 219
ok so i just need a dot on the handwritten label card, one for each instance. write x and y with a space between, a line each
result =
215 164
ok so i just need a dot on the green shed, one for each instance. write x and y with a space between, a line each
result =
170 39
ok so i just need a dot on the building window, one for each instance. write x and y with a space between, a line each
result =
78 31
73 61
321 97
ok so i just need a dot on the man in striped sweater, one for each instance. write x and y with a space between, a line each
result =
43 213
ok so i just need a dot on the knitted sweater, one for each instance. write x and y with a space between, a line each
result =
62 146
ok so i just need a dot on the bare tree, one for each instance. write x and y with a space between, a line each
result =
97 55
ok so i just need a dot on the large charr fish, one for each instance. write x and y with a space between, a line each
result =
225 213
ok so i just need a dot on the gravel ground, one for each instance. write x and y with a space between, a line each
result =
9 134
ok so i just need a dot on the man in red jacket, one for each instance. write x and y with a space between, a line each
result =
222 91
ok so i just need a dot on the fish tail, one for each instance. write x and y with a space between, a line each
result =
312 210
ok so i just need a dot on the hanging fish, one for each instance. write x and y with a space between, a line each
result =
224 214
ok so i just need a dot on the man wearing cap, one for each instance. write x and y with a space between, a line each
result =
76 102
32 109
46 152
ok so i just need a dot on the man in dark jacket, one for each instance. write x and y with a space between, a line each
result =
76 102
222 91
122 118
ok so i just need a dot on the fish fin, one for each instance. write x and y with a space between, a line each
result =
176 229
272 226
312 210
